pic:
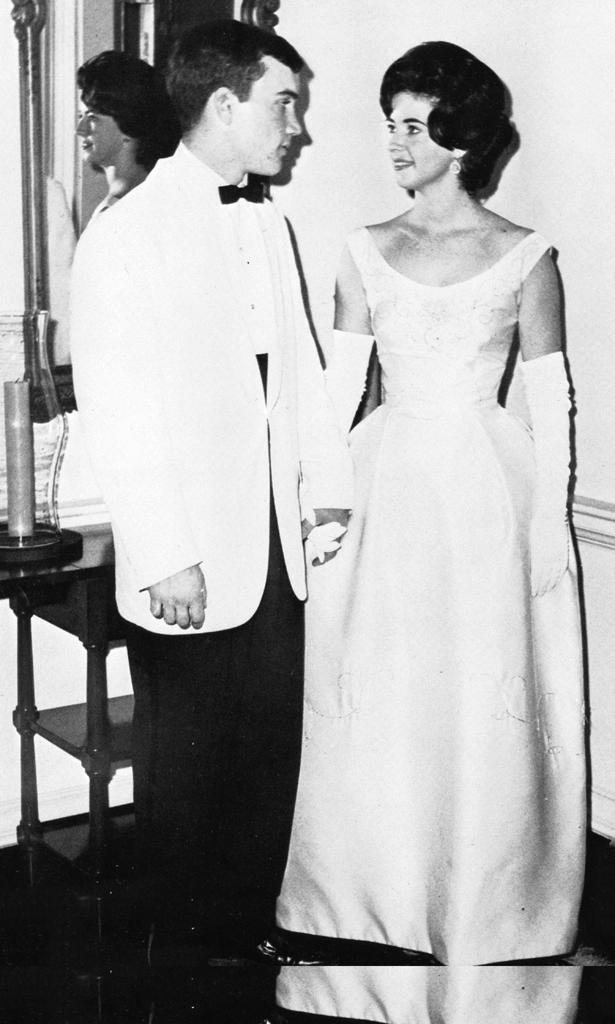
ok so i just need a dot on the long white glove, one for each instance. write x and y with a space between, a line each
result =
346 372
548 395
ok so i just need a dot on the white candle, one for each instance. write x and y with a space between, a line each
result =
19 458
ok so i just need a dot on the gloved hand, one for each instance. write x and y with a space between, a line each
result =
547 391
323 540
549 550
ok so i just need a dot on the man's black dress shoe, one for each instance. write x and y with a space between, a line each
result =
294 949
263 954
169 947
272 953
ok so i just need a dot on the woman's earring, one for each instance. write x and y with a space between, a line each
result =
455 166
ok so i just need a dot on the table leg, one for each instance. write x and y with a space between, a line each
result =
29 830
97 754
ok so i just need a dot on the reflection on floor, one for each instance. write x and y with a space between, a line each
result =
71 956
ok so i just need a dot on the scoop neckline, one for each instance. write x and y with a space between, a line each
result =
454 284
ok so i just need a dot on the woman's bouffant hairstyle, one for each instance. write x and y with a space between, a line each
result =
470 105
221 53
134 95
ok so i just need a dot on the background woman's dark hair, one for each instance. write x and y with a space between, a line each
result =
221 53
470 105
134 94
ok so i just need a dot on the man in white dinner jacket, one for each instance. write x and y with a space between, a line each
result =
181 294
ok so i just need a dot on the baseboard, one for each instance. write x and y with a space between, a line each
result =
62 803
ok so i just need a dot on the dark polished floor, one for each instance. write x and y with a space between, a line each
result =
74 954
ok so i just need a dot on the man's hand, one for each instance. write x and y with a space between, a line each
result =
318 552
180 599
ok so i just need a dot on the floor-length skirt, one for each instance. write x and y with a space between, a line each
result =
441 799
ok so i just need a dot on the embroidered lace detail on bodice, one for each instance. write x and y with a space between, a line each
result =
443 347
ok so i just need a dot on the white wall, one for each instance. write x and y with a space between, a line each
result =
599 589
60 661
557 60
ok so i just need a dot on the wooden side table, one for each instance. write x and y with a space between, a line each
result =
77 597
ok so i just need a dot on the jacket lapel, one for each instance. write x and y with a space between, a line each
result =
203 212
276 248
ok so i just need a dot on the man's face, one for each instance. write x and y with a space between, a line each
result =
101 139
267 120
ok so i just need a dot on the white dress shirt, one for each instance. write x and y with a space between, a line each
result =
248 225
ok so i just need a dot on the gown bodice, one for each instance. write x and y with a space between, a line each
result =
441 347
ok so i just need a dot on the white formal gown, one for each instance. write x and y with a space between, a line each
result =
433 995
441 802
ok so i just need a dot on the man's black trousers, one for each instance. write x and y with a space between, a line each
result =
216 751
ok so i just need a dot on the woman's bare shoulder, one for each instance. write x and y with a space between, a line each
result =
503 234
387 229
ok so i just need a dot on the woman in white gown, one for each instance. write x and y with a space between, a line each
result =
441 802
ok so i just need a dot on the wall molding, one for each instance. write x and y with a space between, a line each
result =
594 521
603 813
86 512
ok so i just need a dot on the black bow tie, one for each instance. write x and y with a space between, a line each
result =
253 191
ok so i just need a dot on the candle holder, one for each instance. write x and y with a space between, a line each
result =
33 436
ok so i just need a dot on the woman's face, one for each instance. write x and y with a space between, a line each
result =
101 139
418 161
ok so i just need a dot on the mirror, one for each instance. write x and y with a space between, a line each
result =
59 193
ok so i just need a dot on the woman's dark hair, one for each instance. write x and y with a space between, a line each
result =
134 95
470 105
221 53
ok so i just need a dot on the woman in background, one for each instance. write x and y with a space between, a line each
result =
441 805
127 122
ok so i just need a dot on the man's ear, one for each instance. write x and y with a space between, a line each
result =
223 102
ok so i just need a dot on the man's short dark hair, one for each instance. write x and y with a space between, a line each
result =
221 53
134 94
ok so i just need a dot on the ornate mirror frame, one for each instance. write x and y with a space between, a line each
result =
261 13
30 17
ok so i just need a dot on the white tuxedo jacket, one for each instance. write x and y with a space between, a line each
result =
172 403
